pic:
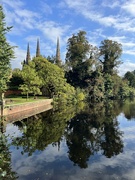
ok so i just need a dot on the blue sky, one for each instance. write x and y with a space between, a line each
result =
49 19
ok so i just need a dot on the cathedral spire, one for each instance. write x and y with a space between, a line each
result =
38 49
58 60
28 55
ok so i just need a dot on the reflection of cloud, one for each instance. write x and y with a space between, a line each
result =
24 165
12 131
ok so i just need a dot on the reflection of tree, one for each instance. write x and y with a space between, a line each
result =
129 109
6 172
42 129
93 130
80 140
112 143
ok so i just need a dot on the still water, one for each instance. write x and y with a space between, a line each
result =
93 142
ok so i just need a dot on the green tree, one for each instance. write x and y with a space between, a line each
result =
130 77
80 58
108 84
52 77
96 86
16 79
51 59
6 54
32 82
110 52
77 49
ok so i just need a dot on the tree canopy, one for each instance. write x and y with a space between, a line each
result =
110 52
6 53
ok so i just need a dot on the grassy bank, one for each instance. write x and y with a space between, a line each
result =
20 100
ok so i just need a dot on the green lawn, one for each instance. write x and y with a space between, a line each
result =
20 100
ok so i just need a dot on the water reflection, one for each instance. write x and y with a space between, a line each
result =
57 143
129 109
42 129
5 160
87 134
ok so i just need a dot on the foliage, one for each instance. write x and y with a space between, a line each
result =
77 49
16 79
130 77
43 129
110 52
53 81
6 53
94 129
51 75
80 58
108 84
96 86
51 59
32 82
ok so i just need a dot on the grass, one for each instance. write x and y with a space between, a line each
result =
20 100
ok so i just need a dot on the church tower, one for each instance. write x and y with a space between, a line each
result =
28 55
38 49
58 60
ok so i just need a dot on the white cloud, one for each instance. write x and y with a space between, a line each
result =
126 66
114 4
45 8
18 16
20 55
53 30
16 4
94 13
129 6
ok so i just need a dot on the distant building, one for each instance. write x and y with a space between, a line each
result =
38 49
57 58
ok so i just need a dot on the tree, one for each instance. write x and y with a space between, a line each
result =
32 82
77 50
110 52
16 79
52 77
80 58
130 77
51 59
96 85
6 54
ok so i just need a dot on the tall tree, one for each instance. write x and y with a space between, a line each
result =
6 54
77 49
110 52
79 59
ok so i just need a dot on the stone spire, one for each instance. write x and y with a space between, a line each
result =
38 49
28 55
58 60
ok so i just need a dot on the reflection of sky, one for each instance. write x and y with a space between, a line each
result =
52 164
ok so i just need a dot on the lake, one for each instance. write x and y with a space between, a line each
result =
87 142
